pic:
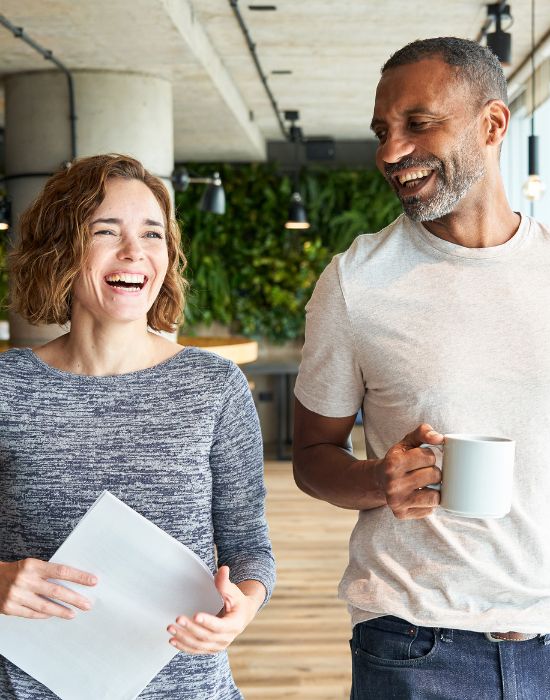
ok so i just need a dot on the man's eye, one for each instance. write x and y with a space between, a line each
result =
380 135
418 125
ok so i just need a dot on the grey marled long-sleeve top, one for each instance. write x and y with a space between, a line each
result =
179 442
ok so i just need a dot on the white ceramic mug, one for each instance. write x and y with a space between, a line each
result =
477 475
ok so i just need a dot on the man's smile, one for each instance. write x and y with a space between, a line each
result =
412 181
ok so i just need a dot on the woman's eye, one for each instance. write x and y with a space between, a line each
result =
153 234
105 232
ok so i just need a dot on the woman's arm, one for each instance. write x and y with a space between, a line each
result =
246 572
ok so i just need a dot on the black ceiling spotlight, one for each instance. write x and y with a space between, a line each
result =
297 217
213 199
5 213
499 41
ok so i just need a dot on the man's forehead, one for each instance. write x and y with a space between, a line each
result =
417 86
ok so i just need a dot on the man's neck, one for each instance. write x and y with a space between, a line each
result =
478 222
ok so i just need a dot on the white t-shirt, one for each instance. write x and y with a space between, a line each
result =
415 329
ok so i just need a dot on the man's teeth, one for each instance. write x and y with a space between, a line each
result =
124 277
416 175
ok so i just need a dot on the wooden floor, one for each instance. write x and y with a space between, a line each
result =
298 645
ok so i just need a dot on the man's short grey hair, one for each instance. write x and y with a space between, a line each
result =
477 65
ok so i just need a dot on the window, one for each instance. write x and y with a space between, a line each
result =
514 161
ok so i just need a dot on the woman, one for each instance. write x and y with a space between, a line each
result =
112 405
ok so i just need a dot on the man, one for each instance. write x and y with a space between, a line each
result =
442 319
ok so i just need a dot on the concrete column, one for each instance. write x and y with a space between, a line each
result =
129 113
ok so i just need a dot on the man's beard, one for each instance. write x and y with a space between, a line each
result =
453 178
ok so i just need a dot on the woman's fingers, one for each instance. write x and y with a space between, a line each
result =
13 608
26 586
207 638
41 606
63 595
61 572
202 625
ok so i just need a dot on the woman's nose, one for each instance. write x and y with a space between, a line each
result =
130 249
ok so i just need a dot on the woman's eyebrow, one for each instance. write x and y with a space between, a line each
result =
107 221
152 222
147 222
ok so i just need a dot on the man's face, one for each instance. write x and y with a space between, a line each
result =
430 144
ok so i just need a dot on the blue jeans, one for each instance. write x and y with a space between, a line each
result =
394 660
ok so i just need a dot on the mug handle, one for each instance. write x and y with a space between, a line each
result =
438 452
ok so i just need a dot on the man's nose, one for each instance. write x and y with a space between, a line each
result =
395 148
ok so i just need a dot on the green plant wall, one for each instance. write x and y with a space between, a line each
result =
249 272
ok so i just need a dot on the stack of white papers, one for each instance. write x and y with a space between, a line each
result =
146 580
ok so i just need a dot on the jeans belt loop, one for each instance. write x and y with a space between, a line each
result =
507 636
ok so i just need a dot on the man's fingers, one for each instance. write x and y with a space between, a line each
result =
415 514
424 433
420 500
420 478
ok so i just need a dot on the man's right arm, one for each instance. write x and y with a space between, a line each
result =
324 467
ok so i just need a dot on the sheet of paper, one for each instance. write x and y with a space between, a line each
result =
146 579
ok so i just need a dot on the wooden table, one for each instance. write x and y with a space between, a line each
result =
240 350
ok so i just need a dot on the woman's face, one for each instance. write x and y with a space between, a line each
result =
128 256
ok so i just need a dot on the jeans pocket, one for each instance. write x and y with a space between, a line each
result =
391 641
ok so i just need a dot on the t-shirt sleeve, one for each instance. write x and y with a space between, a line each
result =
238 492
330 381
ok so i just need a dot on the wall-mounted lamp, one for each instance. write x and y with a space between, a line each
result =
499 41
5 213
534 187
213 199
297 217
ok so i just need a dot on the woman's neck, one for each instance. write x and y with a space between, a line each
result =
105 349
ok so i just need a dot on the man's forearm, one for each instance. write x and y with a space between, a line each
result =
330 473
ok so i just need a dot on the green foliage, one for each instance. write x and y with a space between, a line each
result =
246 270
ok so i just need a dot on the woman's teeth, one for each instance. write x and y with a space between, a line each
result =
126 280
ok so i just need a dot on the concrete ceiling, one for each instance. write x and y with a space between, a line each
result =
334 49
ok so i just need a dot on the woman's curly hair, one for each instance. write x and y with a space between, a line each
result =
54 242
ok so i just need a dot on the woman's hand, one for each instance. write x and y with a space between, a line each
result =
25 589
209 634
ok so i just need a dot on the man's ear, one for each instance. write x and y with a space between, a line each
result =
496 120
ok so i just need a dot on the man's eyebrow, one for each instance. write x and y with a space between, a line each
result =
419 110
